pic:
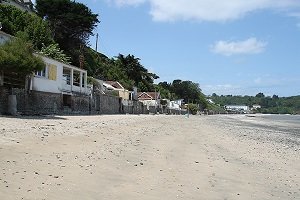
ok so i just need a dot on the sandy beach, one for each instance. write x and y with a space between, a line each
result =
147 157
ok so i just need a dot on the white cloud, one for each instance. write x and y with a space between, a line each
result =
249 46
209 10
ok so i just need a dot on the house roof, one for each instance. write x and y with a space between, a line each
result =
148 95
115 84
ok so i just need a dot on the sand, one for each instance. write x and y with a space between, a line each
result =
145 157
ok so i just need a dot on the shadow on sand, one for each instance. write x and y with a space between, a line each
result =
34 117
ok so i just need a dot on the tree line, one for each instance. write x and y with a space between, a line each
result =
269 104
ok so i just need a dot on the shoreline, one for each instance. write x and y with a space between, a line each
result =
145 157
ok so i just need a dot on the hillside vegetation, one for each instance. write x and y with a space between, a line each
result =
273 105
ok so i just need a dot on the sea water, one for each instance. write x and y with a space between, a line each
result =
293 119
290 124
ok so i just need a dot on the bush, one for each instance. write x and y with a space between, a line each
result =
193 108
17 56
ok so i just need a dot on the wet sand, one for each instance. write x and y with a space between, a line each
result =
147 157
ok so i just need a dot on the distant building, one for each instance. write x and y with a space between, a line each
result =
256 107
116 86
149 98
113 88
25 5
210 101
176 104
237 108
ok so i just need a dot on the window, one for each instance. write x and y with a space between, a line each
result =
42 73
76 78
67 75
83 80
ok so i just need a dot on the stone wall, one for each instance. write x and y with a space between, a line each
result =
153 109
127 107
3 100
81 104
106 104
38 103
43 103
133 107
176 112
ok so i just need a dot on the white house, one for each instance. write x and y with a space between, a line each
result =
176 104
256 106
149 98
210 101
118 87
107 87
58 77
239 108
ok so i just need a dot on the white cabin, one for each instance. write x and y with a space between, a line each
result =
58 77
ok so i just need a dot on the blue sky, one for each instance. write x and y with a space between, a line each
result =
229 47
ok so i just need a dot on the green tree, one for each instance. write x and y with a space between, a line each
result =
164 93
260 95
187 90
17 56
53 51
136 72
193 108
26 25
72 24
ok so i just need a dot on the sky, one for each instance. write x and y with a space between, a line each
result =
233 47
